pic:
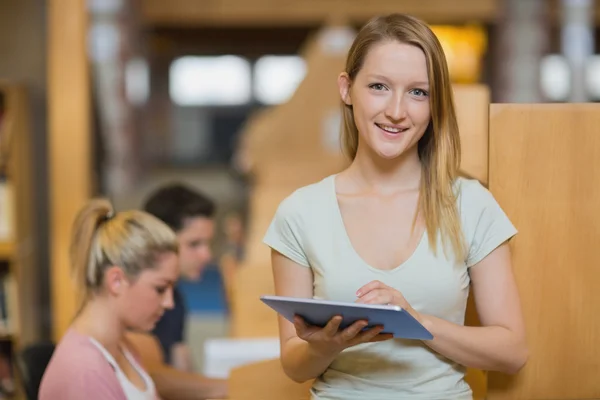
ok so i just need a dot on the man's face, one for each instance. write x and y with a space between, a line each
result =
195 239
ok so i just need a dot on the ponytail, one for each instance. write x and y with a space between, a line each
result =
83 268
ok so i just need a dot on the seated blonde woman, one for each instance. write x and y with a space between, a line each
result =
126 265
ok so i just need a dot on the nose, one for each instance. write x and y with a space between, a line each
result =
168 302
396 109
206 254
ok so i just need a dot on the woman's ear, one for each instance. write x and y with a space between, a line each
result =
115 280
344 84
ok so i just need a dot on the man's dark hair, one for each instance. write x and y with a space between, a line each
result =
173 204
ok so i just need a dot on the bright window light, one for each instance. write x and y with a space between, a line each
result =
593 77
277 77
555 77
220 80
137 81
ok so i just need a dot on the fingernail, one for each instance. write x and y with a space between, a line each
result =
358 293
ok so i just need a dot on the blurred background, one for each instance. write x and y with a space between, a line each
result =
116 97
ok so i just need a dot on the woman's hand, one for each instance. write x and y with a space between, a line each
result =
331 340
375 292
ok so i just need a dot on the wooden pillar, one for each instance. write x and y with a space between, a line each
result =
70 180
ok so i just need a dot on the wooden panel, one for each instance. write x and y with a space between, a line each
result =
472 111
69 143
278 12
544 170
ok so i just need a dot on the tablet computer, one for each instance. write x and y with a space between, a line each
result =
395 319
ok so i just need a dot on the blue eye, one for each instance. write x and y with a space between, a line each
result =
377 86
419 92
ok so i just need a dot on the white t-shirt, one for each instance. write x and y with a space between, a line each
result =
131 391
308 228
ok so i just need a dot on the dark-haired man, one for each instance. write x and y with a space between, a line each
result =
190 214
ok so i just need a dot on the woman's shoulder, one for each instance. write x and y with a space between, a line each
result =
77 365
308 196
318 188
471 192
76 354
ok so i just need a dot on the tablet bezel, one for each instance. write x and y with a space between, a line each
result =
404 325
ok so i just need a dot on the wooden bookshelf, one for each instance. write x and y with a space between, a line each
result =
20 321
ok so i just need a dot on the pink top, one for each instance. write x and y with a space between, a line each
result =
78 370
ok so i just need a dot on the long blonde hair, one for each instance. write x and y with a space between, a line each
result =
131 240
439 148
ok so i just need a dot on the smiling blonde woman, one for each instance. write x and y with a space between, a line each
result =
398 226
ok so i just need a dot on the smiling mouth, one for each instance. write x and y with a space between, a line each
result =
391 129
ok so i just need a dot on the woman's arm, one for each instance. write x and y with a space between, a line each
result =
181 356
500 343
307 351
300 361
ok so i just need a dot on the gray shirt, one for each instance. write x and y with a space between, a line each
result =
308 228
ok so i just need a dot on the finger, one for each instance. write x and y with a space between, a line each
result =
377 296
368 287
375 335
333 326
350 332
367 297
299 322
382 337
369 334
300 325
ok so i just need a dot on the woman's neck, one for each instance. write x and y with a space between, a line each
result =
99 321
386 177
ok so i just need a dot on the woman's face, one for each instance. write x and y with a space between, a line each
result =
390 99
143 301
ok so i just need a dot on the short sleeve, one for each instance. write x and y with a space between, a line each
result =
486 225
285 233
